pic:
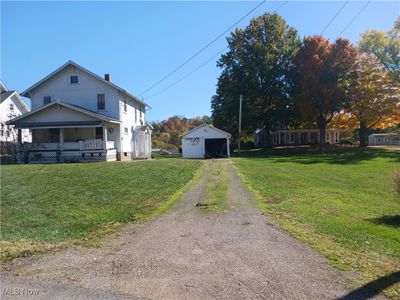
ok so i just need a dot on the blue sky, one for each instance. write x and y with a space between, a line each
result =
140 42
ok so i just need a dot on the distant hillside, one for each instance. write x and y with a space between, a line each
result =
167 134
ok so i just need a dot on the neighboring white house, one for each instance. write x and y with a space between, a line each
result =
294 137
79 116
11 106
384 139
205 141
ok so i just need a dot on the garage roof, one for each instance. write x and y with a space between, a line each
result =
209 126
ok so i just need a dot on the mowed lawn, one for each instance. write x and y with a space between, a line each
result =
48 204
342 202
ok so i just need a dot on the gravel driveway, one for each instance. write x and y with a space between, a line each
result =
189 254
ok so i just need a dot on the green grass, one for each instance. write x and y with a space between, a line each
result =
217 187
342 202
43 206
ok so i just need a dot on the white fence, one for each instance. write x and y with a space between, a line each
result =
388 139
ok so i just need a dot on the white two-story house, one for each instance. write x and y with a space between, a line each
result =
11 106
79 116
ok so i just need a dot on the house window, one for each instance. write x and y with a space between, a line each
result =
74 79
101 101
125 106
46 100
11 106
126 130
135 115
141 114
8 133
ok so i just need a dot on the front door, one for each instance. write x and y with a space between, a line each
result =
99 133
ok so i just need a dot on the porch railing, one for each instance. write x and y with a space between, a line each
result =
87 150
91 144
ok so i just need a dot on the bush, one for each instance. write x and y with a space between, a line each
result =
396 180
248 145
346 141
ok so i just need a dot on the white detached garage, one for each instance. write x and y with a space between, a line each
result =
205 141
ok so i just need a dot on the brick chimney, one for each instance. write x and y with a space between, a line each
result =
107 77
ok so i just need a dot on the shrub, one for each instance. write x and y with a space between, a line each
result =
396 180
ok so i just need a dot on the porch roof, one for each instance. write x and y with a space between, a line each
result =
65 124
24 122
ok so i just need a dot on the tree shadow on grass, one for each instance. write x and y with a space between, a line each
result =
373 288
393 221
315 156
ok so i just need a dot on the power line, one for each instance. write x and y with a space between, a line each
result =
354 18
187 75
334 17
282 5
203 64
201 50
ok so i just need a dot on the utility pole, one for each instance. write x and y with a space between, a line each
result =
240 122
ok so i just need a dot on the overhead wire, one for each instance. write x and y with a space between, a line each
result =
201 50
200 66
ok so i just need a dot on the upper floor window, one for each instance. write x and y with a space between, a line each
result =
135 114
11 106
74 79
125 106
141 114
126 130
101 101
46 100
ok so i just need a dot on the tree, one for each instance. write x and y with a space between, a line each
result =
167 134
373 97
385 46
259 65
321 67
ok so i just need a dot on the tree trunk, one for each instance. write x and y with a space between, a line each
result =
321 121
363 134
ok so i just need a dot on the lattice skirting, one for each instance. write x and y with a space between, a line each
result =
52 157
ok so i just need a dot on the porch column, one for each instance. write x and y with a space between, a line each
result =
19 136
61 139
279 138
105 137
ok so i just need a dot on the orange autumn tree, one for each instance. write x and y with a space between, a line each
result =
321 67
373 98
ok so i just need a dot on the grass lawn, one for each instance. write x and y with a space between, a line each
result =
340 201
48 205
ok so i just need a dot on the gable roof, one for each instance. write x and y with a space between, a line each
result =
8 94
71 63
3 87
5 95
209 126
68 105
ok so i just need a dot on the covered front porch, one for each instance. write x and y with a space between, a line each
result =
62 133
69 145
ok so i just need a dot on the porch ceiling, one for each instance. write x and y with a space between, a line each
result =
64 124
